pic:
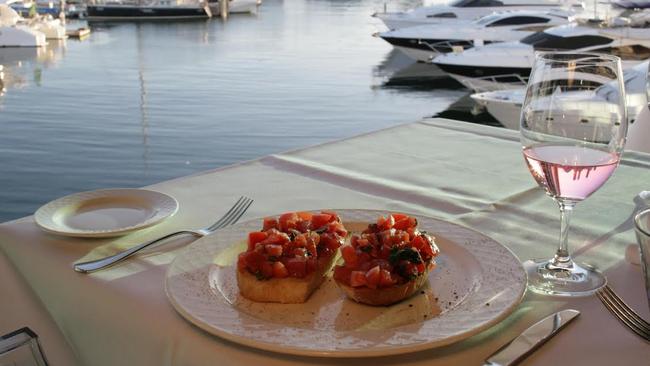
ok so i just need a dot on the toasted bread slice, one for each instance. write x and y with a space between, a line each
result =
288 290
386 295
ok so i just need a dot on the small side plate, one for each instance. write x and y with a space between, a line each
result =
105 213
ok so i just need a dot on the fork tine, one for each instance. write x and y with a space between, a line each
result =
233 212
625 308
241 212
238 213
622 318
226 215
620 315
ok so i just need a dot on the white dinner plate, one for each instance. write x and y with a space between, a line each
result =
476 284
105 213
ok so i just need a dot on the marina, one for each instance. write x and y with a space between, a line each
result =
324 182
166 99
204 93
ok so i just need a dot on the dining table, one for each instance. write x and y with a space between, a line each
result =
463 173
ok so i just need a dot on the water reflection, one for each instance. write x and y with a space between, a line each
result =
144 121
24 65
398 71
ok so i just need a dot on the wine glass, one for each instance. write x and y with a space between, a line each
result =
572 134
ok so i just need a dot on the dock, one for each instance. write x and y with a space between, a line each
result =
79 33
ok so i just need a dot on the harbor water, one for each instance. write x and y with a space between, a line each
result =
138 103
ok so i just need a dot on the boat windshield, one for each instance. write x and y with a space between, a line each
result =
545 41
488 19
475 3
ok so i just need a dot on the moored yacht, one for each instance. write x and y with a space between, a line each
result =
13 34
426 41
505 105
149 9
162 9
51 27
465 10
500 65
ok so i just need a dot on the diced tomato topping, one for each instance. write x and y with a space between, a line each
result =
424 246
300 240
333 215
300 252
373 276
276 237
267 269
303 226
391 251
357 278
399 216
338 228
290 244
288 221
270 223
320 220
350 256
385 223
279 270
330 241
305 216
385 278
254 260
342 274
405 223
297 266
256 237
274 250
364 258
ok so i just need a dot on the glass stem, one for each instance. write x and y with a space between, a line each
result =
562 259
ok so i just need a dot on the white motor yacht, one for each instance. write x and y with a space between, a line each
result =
13 34
466 10
507 65
426 41
505 105
111 10
52 27
46 24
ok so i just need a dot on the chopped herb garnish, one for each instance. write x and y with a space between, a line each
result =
408 254
259 275
367 248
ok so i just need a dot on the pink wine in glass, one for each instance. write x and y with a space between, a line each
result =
570 172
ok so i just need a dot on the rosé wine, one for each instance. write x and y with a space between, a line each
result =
570 172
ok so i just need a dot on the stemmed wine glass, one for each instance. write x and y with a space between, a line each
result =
572 134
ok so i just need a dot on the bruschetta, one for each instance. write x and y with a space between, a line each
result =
387 263
289 258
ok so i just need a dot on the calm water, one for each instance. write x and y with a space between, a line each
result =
136 104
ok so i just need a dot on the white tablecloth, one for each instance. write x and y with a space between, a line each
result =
468 174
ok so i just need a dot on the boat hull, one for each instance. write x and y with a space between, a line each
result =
121 12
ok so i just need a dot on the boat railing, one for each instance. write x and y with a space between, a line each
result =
446 46
496 82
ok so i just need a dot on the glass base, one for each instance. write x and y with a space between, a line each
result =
578 280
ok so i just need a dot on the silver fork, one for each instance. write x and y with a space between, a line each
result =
229 218
623 312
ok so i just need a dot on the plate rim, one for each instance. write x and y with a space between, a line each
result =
104 233
360 353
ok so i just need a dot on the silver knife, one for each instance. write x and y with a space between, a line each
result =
531 339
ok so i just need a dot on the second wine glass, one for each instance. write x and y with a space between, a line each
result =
572 133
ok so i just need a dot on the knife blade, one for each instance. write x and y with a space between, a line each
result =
531 339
